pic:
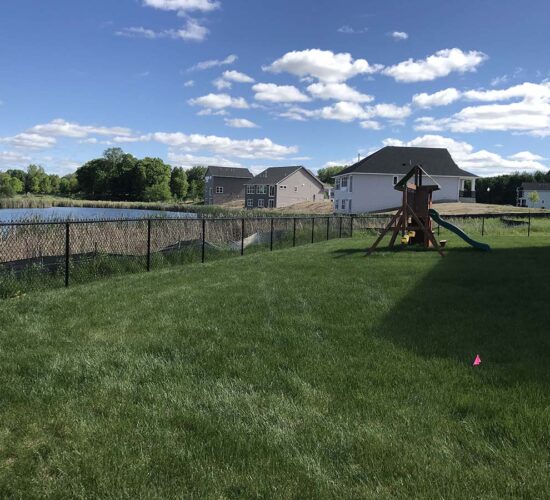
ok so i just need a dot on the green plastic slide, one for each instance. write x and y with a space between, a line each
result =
454 229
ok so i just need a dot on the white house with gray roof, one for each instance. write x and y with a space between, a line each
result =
278 187
368 185
525 196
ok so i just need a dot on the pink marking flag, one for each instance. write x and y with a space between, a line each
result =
477 361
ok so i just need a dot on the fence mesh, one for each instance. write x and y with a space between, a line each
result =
42 255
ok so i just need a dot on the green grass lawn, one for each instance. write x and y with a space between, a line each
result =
308 372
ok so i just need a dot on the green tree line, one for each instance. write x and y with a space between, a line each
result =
502 189
115 176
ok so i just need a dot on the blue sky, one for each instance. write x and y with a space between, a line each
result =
263 83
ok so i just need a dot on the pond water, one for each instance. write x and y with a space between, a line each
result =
79 213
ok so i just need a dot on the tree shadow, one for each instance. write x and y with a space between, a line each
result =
494 304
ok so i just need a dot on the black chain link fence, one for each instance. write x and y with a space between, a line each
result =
39 255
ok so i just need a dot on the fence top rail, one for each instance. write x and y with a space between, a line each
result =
258 218
164 219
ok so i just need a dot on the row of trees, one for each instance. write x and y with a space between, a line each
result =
502 189
115 176
36 181
120 176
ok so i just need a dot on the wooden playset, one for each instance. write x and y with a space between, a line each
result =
413 219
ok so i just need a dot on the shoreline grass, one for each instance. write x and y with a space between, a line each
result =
304 372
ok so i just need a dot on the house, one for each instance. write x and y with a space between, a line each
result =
525 194
223 184
368 185
278 187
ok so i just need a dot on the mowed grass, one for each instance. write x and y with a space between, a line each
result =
312 372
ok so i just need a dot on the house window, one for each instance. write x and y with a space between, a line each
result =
219 189
250 189
394 180
343 204
337 183
344 182
271 190
250 203
350 183
261 189
335 204
261 203
271 203
349 206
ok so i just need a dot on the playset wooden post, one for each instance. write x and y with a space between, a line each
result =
413 220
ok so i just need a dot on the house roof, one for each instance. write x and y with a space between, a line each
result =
536 186
240 173
399 160
274 175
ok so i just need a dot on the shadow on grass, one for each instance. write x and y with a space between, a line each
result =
495 304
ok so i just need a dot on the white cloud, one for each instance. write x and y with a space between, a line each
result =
527 90
389 111
62 128
221 84
345 111
526 156
183 6
212 63
187 160
324 65
192 31
370 125
219 101
529 113
138 32
240 123
211 112
29 141
251 148
481 162
338 92
11 159
236 76
189 83
441 98
399 35
348 30
440 64
278 93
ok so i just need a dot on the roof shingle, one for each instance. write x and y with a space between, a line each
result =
240 173
399 160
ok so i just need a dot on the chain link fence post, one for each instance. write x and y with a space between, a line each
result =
203 239
294 233
271 237
67 252
242 236
148 245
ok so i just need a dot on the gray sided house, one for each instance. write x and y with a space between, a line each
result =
224 184
278 187
368 185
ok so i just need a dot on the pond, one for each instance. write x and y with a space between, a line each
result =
81 213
